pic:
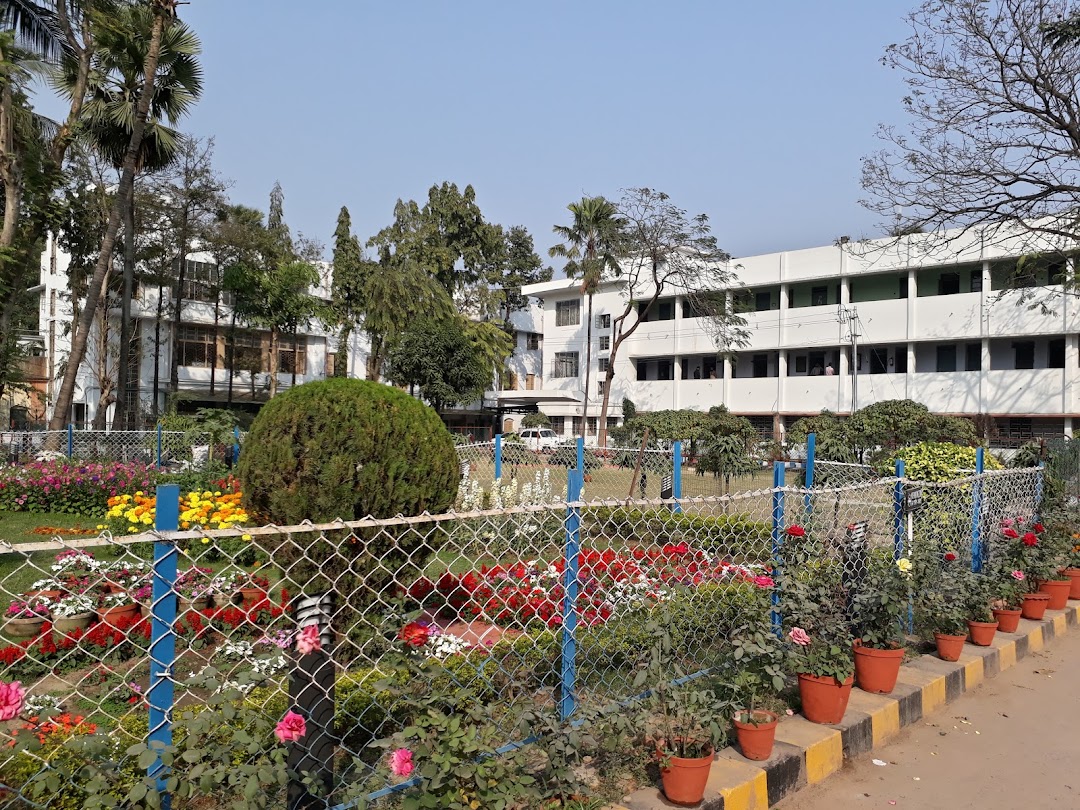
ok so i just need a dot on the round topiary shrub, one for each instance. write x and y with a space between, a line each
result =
342 448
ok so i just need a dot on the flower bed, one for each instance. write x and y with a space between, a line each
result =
207 510
69 487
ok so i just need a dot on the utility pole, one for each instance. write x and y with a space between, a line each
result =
849 318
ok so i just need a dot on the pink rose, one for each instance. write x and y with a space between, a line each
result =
308 640
401 763
1018 575
799 636
11 700
763 581
290 728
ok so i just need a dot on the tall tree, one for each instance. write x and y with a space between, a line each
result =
667 252
523 267
164 13
589 245
992 139
347 291
435 357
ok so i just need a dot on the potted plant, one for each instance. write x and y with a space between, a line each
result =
246 587
980 620
193 588
881 598
941 613
73 612
143 596
117 605
1008 587
25 618
1072 566
1024 550
826 670
760 671
49 589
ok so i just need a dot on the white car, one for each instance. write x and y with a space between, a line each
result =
539 438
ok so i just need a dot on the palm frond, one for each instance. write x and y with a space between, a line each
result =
36 27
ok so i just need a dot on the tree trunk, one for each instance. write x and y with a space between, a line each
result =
127 182
294 359
120 418
155 407
230 350
588 368
609 377
178 309
273 361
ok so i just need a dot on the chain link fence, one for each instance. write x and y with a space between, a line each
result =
181 450
521 617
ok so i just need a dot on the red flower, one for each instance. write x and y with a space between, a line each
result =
795 530
1030 539
949 556
415 634
764 581
1011 533
1039 528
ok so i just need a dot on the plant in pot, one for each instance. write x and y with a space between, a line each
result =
1072 566
1052 553
49 588
977 593
194 588
25 618
880 600
143 596
759 661
73 612
247 587
117 605
1024 549
940 614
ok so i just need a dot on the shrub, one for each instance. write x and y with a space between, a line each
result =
518 453
566 456
736 535
342 448
940 461
535 420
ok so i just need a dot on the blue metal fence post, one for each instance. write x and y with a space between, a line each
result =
498 456
236 446
71 441
159 445
811 455
976 512
777 539
898 512
676 474
567 700
162 638
581 458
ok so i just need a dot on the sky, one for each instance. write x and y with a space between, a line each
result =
754 113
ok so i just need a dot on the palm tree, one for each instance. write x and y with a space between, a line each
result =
589 245
163 15
114 90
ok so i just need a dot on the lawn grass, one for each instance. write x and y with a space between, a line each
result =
17 527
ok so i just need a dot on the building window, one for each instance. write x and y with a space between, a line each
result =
292 355
590 425
605 343
879 361
558 424
530 382
763 301
819 296
604 321
976 280
664 370
760 363
666 310
1055 353
331 363
566 364
575 425
532 341
973 357
612 421
1024 351
900 354
642 370
567 313
201 282
196 347
603 365
800 364
247 352
946 358
599 388
948 284
903 288
512 381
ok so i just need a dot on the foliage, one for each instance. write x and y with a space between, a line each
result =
738 535
342 448
70 487
939 461
437 357
535 420
523 267
200 510
1037 551
830 435
565 455
758 655
880 599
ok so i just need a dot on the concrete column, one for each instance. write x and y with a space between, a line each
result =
909 377
984 382
843 381
1068 427
781 381
781 333
1069 325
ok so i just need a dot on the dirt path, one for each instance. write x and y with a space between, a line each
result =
1012 743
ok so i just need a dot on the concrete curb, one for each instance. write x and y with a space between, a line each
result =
807 753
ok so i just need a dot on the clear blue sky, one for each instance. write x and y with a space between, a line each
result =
755 113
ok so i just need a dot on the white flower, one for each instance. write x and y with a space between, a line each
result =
443 645
73 605
41 705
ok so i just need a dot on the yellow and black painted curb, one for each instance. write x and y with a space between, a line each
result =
807 753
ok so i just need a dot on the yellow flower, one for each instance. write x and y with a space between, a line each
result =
245 537
133 529
100 527
205 540
904 564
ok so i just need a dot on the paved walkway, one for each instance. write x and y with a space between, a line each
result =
1012 743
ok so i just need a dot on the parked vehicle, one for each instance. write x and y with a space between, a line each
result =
540 438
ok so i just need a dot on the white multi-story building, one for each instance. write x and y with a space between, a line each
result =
963 326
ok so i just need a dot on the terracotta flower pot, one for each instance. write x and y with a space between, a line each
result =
1008 620
1058 590
684 778
112 616
184 605
250 596
1074 581
55 594
1034 606
756 738
949 647
876 670
27 627
67 625
982 633
824 700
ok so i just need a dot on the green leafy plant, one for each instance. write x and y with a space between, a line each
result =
758 662
881 598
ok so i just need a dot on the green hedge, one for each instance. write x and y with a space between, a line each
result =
736 535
